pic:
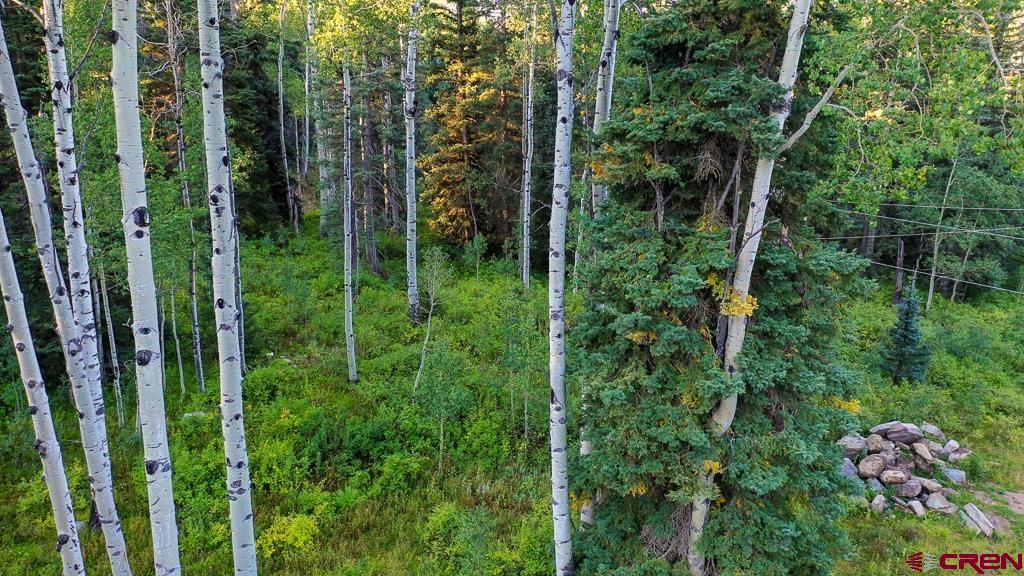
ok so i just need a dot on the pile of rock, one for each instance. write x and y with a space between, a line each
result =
898 457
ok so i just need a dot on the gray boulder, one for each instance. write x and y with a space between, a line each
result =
958 455
928 484
950 447
957 476
852 445
909 489
890 477
871 466
879 503
976 517
939 503
922 450
905 433
848 469
884 428
933 431
874 485
874 443
917 508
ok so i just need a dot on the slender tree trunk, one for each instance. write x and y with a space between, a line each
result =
369 183
726 410
125 85
177 72
423 350
224 264
350 336
605 84
307 78
963 270
392 194
46 443
177 343
409 81
78 366
556 292
98 315
938 234
599 193
280 120
898 295
115 362
527 203
71 204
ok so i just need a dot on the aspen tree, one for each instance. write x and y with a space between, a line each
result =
721 419
46 443
556 291
605 83
223 264
409 83
177 72
527 187
124 79
89 410
350 336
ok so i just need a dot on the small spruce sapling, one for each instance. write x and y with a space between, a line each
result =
906 357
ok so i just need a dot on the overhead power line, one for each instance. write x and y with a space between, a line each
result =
947 278
933 225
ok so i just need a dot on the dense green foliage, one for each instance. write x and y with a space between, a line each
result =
920 142
905 356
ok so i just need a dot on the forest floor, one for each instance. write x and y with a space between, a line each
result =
366 479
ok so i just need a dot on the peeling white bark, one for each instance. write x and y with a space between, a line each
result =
90 412
46 443
556 291
350 336
223 229
605 83
721 419
527 187
409 82
124 78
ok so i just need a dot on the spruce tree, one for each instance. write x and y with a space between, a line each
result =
906 357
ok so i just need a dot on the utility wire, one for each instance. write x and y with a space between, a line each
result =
939 226
947 277
949 207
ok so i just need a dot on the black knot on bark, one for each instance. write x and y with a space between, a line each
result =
139 234
40 447
224 160
62 539
117 158
220 303
143 357
33 410
152 466
9 327
141 216
20 346
212 21
113 36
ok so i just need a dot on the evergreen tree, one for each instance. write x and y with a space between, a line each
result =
906 357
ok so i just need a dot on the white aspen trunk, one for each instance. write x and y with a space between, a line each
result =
938 235
307 78
527 203
124 78
115 362
390 176
409 82
46 443
605 83
223 265
350 336
721 419
98 316
177 72
96 456
177 343
71 204
163 338
556 292
280 120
